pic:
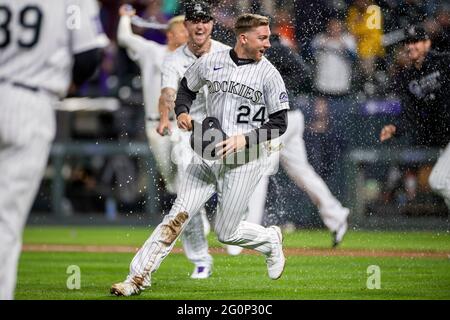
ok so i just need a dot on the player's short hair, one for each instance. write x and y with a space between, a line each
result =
248 21
175 20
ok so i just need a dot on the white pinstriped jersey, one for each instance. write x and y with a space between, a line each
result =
174 67
39 38
241 97
150 56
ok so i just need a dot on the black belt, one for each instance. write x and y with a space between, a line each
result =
157 118
21 85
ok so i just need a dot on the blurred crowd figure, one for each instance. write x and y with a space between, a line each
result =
334 53
369 39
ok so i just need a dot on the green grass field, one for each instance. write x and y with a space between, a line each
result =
42 275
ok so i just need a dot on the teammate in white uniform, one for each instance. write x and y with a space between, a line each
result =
243 87
156 60
199 24
41 43
149 55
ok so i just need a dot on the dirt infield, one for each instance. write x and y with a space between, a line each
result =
288 251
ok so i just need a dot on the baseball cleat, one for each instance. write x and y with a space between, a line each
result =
201 272
338 234
234 250
125 289
276 261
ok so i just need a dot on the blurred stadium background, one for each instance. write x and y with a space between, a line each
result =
102 171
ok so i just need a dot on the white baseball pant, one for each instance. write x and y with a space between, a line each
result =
234 186
293 159
439 179
171 151
161 148
27 128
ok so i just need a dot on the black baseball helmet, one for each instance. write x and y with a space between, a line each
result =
205 136
198 11
415 34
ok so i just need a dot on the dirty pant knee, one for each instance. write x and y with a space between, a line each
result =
171 229
158 246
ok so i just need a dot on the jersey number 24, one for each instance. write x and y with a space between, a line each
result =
244 115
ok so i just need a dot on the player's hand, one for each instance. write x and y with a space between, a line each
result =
232 144
126 10
164 128
184 121
387 132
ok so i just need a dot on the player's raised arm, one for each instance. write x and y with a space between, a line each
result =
125 36
137 45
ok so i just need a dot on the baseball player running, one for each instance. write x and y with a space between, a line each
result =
423 88
199 24
243 87
41 42
151 59
292 155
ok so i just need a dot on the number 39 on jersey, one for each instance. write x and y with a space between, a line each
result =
29 20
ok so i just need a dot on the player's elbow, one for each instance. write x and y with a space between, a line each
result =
123 31
123 39
161 102
280 122
167 99
85 65
283 129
